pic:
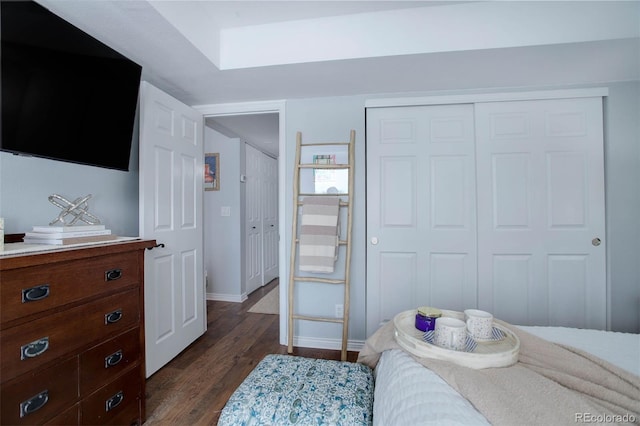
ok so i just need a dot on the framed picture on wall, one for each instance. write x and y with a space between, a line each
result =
212 172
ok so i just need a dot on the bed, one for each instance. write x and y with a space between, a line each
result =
563 376
408 391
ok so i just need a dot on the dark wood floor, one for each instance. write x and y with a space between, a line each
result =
193 388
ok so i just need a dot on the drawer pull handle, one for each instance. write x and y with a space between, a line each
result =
113 359
113 274
35 348
113 317
34 403
34 294
114 401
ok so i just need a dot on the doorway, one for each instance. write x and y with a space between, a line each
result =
256 119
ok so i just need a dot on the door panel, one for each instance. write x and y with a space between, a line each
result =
512 197
396 297
270 219
512 279
451 273
567 177
540 204
567 295
171 184
253 219
420 210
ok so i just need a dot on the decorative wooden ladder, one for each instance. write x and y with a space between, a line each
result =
348 204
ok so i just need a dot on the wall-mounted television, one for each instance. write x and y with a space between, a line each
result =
65 95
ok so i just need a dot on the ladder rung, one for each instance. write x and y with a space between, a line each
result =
319 280
342 203
341 242
320 319
324 143
324 166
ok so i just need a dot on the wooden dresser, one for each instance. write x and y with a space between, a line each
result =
72 335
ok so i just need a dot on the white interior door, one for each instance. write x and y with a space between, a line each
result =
541 223
421 225
171 184
253 219
270 219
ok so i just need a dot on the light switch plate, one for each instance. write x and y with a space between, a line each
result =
225 211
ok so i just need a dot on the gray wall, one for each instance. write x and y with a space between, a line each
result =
223 243
324 120
622 195
27 182
332 118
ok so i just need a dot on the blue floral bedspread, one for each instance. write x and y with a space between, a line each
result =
293 390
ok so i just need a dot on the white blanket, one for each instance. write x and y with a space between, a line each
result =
407 393
621 349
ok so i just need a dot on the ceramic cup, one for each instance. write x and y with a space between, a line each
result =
450 333
479 323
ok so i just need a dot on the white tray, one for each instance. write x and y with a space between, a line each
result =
486 354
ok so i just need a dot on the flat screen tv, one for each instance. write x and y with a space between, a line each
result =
65 95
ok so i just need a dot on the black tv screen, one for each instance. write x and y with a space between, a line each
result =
65 95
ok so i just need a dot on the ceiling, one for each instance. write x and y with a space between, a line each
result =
212 52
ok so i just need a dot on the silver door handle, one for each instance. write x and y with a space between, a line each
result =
374 240
596 241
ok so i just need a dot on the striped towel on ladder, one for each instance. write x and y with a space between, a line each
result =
319 230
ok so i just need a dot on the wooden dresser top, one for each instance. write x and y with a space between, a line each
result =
20 255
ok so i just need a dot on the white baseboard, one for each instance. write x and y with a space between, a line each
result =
221 297
322 343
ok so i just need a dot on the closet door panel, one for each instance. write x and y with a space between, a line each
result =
451 272
511 187
567 295
253 219
395 294
398 192
568 186
270 219
420 210
541 197
509 289
448 193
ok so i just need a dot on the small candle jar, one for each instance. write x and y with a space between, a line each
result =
426 318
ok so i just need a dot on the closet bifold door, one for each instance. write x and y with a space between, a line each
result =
541 241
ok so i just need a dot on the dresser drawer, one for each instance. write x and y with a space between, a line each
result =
30 345
28 291
118 399
128 415
40 395
105 362
69 417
